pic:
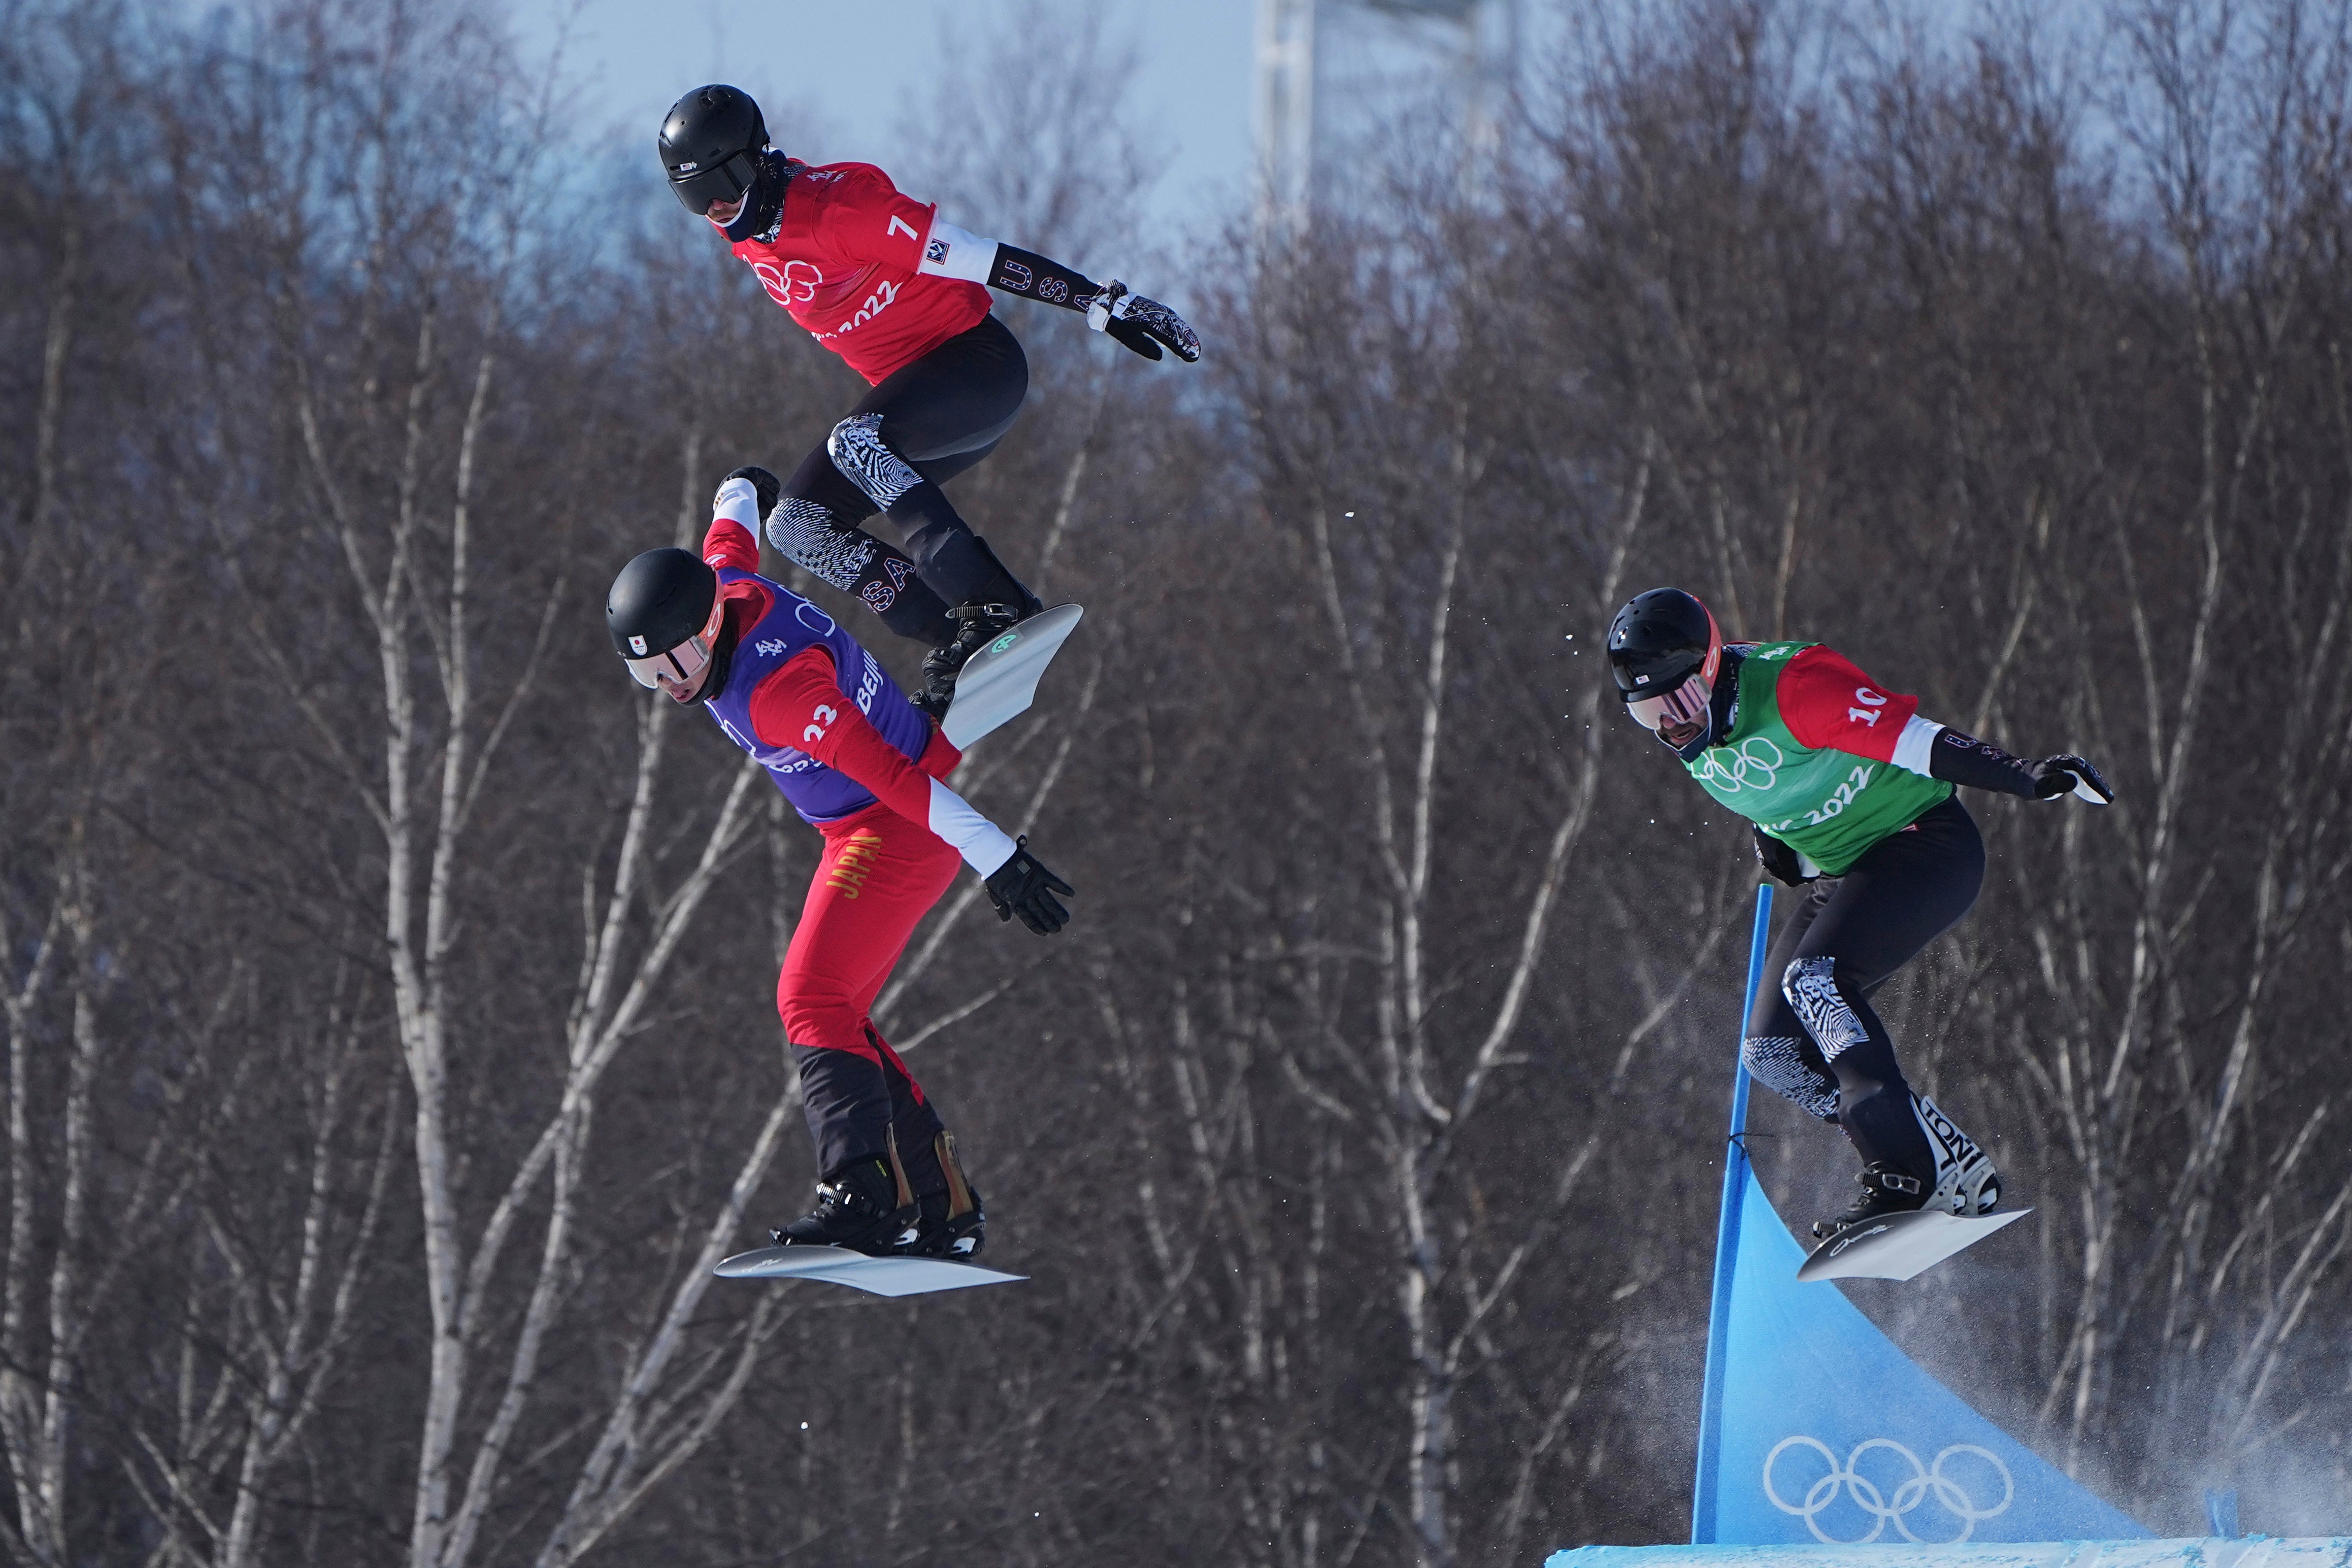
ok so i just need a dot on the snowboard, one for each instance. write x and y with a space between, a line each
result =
876 1276
1900 1246
999 682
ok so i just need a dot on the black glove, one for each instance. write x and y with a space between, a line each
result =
2056 776
1021 886
1779 860
766 483
1141 324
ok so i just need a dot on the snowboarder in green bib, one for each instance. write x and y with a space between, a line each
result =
1850 794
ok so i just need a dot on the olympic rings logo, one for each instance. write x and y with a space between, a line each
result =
1748 765
794 283
1909 1494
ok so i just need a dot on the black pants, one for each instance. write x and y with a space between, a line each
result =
924 425
1813 1035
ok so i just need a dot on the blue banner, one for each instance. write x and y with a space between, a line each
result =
1814 1429
1727 1247
1825 1432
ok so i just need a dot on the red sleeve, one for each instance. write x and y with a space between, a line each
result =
867 219
1828 703
801 705
730 544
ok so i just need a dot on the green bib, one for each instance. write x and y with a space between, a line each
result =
1830 805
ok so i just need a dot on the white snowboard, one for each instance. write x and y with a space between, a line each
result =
878 1276
1899 1246
1001 681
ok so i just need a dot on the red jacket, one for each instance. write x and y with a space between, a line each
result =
843 259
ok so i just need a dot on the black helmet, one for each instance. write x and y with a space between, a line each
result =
1664 649
711 144
1659 641
663 614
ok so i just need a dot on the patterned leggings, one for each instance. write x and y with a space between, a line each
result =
925 423
1813 1035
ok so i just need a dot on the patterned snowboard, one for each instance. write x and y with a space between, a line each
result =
1001 680
877 1276
1899 1246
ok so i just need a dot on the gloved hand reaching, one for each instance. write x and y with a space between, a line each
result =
1024 887
1780 859
1981 764
2056 776
1141 324
764 485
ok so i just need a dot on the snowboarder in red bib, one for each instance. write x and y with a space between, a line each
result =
902 295
865 767
1849 793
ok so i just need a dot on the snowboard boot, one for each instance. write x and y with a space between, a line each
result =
1884 1190
977 625
864 1206
989 600
953 1223
1966 1182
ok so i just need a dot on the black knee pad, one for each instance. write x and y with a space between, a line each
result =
1811 985
867 461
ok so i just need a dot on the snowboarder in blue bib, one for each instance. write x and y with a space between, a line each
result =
791 686
1850 794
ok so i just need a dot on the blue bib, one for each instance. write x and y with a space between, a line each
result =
820 794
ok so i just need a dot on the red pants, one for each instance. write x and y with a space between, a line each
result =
877 878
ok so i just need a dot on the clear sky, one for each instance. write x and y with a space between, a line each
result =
860 70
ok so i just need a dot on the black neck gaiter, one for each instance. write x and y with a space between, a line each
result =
765 208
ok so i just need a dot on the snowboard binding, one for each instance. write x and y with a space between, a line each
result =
855 1238
865 1207
1884 1190
1967 1184
953 1223
977 625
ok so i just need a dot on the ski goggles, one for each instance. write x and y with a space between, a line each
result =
681 666
1686 703
701 187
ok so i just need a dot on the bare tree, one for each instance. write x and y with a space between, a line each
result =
386 988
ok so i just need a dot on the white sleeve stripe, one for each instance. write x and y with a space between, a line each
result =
983 845
1911 752
951 251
